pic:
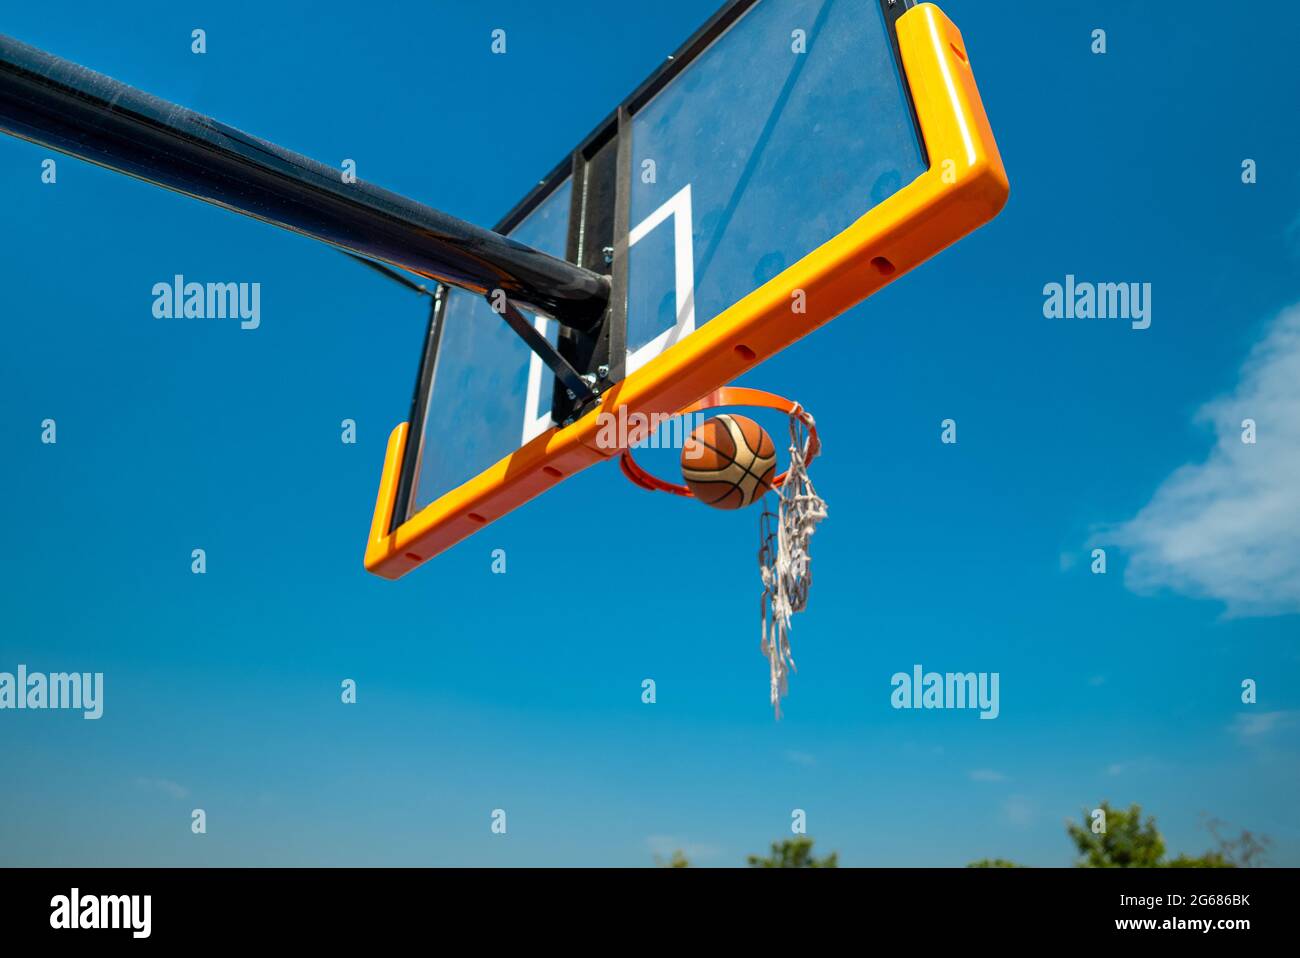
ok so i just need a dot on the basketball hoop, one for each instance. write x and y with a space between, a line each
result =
726 396
784 561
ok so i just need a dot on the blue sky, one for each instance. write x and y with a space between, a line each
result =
522 691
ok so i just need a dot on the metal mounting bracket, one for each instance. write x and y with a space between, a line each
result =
580 389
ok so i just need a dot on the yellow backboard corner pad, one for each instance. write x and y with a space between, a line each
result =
964 187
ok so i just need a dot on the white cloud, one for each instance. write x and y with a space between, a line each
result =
663 846
1228 528
164 785
1119 768
801 758
987 775
1018 810
1253 725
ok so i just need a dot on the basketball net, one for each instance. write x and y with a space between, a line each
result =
783 557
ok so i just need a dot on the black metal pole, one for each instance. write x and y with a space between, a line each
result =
74 110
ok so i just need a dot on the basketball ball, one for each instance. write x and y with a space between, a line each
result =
729 462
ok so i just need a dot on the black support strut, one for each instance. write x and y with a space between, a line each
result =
74 110
579 389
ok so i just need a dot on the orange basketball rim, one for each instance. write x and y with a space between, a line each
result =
726 396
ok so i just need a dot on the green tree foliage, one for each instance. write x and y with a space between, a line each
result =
1130 842
1208 860
794 853
1127 842
678 860
1244 851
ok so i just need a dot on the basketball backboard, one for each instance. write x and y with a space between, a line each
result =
792 158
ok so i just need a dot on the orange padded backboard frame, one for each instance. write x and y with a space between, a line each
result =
965 187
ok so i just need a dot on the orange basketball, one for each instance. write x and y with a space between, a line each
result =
729 462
